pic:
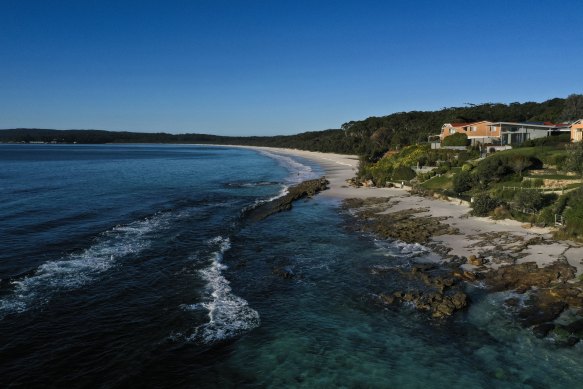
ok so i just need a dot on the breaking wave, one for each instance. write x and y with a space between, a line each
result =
76 270
299 171
229 315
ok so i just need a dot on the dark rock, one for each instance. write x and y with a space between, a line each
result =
284 203
575 328
542 330
284 272
405 225
449 304
541 312
387 298
563 338
571 341
408 296
526 275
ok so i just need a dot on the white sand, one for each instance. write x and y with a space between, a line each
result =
478 234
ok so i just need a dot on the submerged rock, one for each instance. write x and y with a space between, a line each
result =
439 294
542 330
284 272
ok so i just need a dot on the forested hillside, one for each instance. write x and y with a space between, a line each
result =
379 134
370 137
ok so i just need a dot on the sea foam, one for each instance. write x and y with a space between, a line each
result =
298 171
78 269
229 315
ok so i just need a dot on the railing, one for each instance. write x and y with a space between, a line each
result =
542 189
529 211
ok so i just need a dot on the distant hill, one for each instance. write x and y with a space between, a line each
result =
370 137
325 141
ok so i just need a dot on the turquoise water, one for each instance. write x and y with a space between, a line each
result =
132 266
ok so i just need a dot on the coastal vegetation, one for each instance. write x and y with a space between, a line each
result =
540 183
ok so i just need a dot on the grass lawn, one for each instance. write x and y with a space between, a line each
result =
442 182
543 153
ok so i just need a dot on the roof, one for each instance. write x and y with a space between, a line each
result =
456 124
524 124
473 123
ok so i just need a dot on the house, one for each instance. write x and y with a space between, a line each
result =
449 129
481 132
516 133
577 131
507 133
477 132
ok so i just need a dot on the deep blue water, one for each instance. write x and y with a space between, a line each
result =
133 266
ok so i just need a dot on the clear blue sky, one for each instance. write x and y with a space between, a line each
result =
275 67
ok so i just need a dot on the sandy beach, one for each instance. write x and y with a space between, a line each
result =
479 236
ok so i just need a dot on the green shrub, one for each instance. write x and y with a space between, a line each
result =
459 139
462 182
443 168
466 167
557 160
574 218
463 157
538 182
502 165
483 204
546 216
403 173
531 199
501 212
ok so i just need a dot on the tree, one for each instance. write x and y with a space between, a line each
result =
574 161
531 199
573 107
519 163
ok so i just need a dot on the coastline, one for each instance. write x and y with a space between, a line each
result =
476 235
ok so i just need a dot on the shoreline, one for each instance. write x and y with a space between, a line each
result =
477 235
541 275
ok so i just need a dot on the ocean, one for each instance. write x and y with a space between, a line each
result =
134 266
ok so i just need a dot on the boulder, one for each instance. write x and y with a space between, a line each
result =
475 261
